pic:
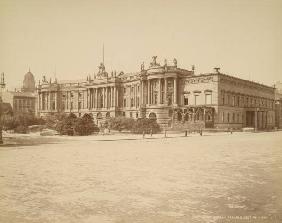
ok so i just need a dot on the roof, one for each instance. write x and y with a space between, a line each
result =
236 78
21 94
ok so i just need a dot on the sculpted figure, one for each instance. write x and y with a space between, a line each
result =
175 62
142 66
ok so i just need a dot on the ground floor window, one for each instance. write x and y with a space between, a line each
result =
186 99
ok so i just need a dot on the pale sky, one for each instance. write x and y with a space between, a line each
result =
243 37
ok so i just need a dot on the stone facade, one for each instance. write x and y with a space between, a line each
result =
174 97
278 105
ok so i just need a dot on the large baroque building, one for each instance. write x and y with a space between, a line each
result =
175 97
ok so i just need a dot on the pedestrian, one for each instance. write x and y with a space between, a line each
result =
143 134
151 132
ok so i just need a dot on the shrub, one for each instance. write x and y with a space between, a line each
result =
146 125
21 129
66 125
12 122
71 125
85 126
121 123
8 122
52 120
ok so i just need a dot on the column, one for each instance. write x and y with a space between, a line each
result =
87 94
97 99
55 100
114 96
94 98
141 93
135 95
50 105
39 101
256 120
117 97
165 91
107 97
160 91
175 91
104 97
149 92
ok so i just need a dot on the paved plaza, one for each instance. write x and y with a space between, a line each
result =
213 178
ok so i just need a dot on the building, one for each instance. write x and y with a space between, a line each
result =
175 97
278 105
21 101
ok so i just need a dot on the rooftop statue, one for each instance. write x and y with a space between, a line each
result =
142 66
175 62
154 62
102 71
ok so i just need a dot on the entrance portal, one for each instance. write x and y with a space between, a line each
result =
250 119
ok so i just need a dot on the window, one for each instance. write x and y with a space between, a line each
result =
233 117
228 117
233 100
196 99
79 105
223 97
124 102
223 117
186 99
208 99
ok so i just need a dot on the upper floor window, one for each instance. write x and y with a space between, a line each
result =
208 99
196 97
233 100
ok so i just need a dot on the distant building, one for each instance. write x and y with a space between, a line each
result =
175 97
23 101
28 83
278 105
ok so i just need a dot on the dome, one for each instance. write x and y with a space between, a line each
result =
29 82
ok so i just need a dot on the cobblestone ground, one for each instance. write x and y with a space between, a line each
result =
218 178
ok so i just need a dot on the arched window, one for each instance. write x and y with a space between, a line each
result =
99 115
152 115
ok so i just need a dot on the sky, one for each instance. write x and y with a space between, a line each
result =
64 39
